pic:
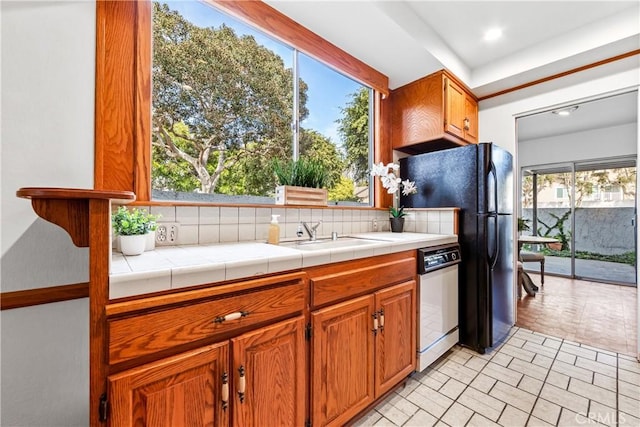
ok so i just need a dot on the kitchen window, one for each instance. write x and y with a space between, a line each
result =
119 137
223 109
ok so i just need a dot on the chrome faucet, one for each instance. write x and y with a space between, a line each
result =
311 230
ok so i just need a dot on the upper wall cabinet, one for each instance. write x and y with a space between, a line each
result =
433 113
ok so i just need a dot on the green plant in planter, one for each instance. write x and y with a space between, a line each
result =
523 224
301 173
133 222
397 213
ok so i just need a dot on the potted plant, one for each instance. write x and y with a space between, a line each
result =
523 225
389 177
132 227
301 182
152 226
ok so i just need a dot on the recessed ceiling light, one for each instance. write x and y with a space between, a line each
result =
565 111
492 34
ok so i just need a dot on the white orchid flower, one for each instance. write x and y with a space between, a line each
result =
409 187
379 170
390 180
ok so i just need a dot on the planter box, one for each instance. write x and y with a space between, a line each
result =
290 195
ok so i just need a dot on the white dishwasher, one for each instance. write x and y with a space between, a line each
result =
438 302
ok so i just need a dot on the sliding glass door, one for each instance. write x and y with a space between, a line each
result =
590 209
605 221
547 202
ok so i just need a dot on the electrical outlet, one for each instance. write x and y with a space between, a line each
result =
167 233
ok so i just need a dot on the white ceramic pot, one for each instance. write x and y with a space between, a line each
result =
133 245
150 241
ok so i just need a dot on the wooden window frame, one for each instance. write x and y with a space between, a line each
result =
123 87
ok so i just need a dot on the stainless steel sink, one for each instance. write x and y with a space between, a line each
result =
323 244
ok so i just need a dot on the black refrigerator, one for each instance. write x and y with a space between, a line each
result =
479 180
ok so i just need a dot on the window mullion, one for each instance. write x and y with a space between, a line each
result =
295 125
372 124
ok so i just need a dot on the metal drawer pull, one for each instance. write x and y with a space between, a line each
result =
381 320
225 390
375 323
231 316
242 383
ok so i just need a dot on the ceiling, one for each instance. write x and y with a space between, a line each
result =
406 40
601 113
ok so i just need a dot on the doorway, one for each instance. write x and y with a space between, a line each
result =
589 208
591 143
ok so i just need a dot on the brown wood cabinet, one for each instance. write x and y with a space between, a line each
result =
342 361
226 355
183 390
274 363
396 338
432 113
364 346
265 381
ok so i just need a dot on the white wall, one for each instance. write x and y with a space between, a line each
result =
600 143
47 134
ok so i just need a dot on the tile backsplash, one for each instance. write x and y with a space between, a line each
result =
213 224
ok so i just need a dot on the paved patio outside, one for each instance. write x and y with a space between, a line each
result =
601 270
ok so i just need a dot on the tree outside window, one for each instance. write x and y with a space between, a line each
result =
223 109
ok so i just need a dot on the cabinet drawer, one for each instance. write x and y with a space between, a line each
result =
340 281
149 333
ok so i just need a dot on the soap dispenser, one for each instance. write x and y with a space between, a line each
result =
274 230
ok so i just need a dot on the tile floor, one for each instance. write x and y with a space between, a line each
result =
531 380
597 314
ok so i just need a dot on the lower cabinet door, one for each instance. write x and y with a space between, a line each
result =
269 370
396 341
342 361
183 390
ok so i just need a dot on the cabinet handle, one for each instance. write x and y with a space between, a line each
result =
225 390
231 316
375 323
381 320
466 123
242 383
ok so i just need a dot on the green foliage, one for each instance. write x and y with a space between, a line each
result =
218 99
127 222
523 224
624 258
354 130
250 175
344 190
317 147
561 235
302 173
397 213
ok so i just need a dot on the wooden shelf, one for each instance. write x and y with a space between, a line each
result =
69 208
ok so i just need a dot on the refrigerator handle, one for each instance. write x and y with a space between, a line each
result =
495 204
494 172
493 258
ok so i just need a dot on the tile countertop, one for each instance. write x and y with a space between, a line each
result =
174 267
